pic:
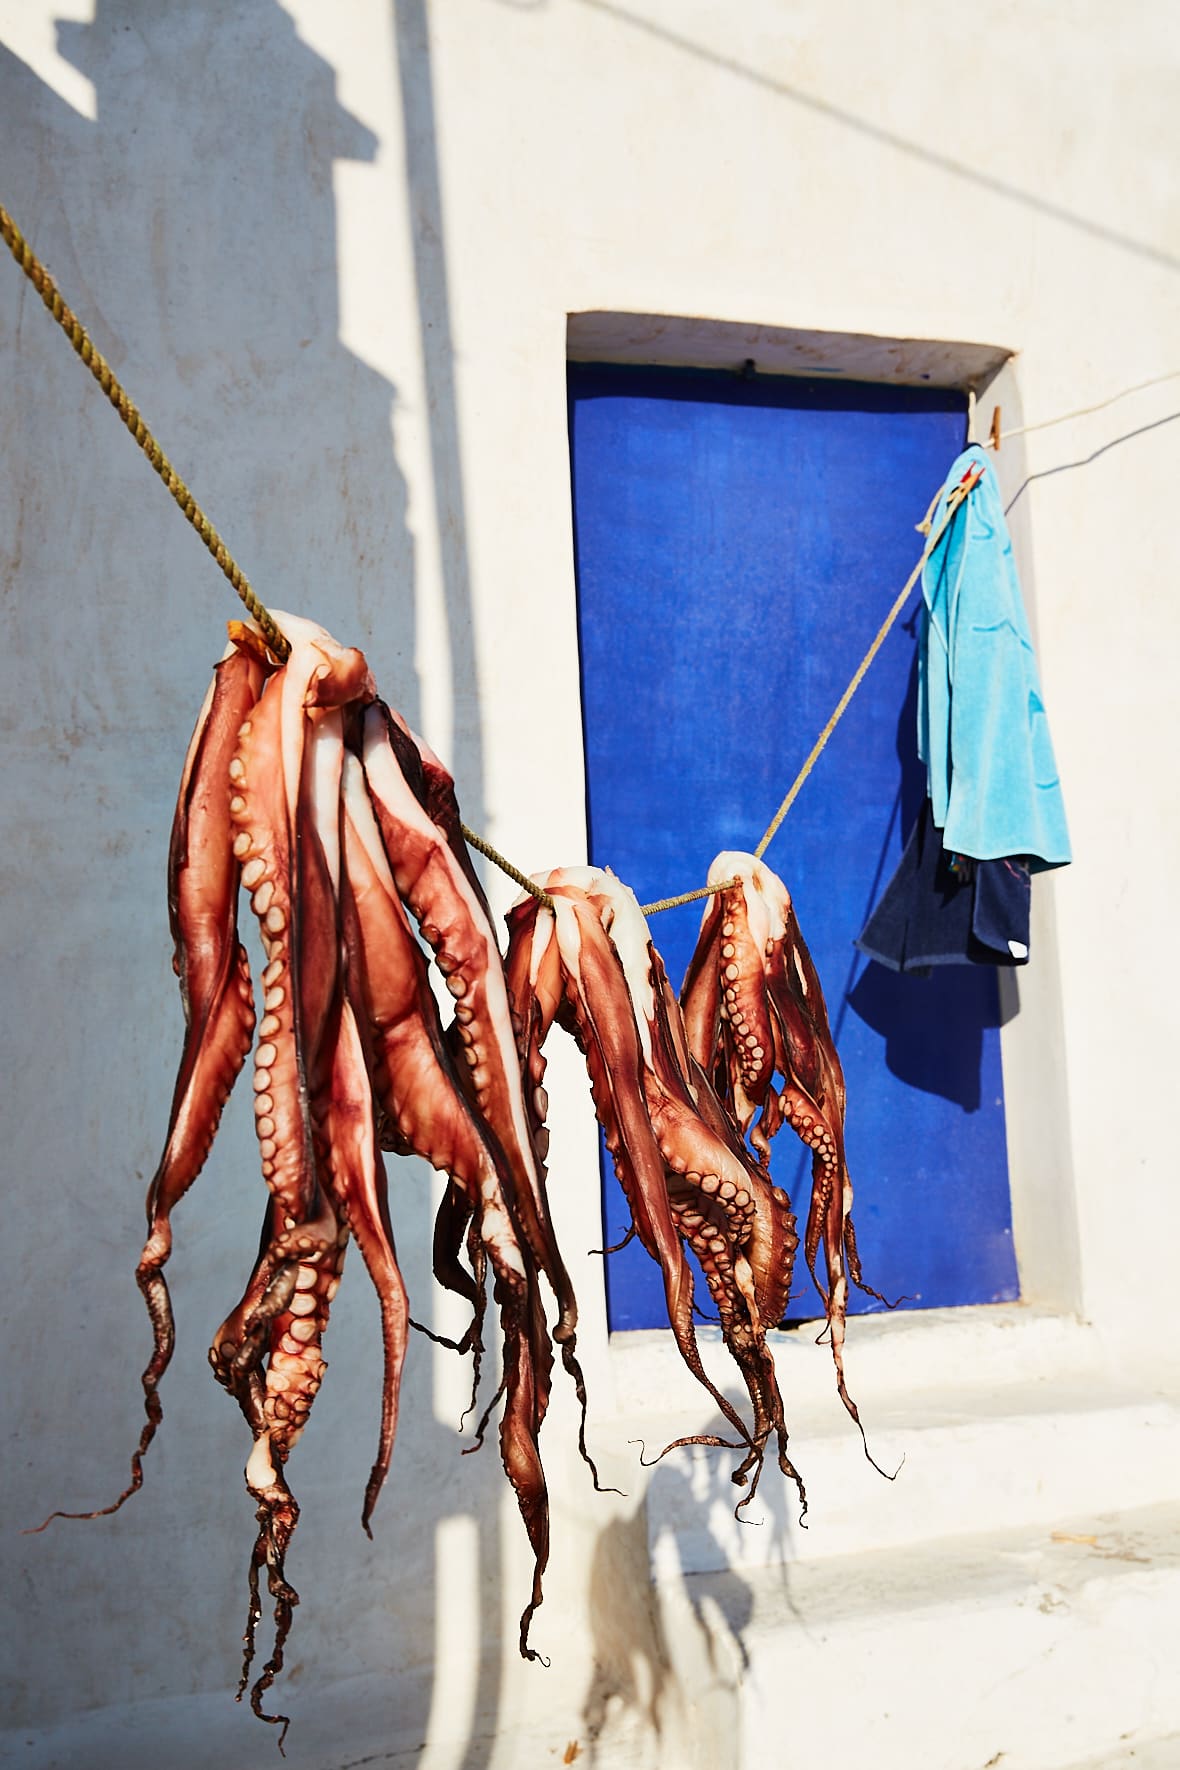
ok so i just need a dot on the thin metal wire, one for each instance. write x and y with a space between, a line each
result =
1085 411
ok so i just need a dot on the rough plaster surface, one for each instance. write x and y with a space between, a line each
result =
333 251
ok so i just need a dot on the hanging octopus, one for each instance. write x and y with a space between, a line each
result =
756 1023
302 786
689 1180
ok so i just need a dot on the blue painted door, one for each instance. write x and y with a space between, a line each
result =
738 544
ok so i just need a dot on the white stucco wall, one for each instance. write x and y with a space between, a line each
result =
333 250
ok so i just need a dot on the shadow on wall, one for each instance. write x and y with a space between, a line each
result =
634 1689
202 195
192 223
911 1012
631 1664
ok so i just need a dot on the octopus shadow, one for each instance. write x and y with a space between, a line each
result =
642 1660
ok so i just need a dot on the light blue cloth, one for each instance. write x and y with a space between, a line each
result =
982 730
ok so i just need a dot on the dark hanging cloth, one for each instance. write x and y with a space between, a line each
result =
944 909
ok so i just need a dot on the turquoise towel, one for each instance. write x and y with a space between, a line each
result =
982 730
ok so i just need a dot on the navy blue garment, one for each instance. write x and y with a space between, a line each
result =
943 909
1000 915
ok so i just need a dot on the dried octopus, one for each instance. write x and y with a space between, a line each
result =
756 1022
301 785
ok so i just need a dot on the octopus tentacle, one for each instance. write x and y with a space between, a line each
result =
456 1224
704 1228
414 1077
746 1223
359 1191
505 1182
485 1417
534 978
214 978
285 806
528 1362
417 1082
451 915
607 1003
455 1227
295 1371
265 845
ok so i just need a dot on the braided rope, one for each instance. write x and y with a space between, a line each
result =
506 866
94 360
671 903
957 497
129 412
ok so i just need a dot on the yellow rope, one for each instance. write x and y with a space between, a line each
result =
506 866
670 903
956 498
130 414
109 382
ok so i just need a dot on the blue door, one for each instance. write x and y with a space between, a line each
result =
738 543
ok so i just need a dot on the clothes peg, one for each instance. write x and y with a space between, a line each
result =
996 437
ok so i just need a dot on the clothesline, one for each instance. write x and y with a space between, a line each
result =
51 296
1063 417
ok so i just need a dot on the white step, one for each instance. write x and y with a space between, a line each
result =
1041 1648
965 1461
990 1418
1148 1754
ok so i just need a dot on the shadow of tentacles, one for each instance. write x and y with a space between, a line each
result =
638 1685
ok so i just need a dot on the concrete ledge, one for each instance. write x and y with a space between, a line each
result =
1032 1649
698 342
992 1418
1033 1454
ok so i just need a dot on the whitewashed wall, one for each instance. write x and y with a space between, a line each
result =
332 251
